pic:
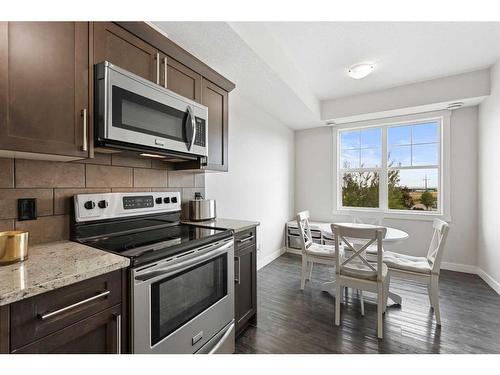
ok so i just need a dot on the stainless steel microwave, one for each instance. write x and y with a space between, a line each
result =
136 114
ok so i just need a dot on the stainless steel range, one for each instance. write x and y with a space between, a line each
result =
181 276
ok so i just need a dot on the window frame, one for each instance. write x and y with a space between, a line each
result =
443 167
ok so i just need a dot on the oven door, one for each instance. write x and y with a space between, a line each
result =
181 304
138 112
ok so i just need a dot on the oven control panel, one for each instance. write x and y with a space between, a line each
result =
141 201
114 205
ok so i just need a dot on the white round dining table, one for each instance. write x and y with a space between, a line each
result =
392 234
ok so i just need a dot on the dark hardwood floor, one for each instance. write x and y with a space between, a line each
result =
295 321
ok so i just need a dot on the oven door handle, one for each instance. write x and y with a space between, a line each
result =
170 269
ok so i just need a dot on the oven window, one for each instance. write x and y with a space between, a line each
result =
179 298
137 113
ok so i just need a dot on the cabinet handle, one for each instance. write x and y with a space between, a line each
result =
237 280
85 130
246 239
118 333
60 311
157 68
165 70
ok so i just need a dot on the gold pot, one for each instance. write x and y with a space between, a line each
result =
13 247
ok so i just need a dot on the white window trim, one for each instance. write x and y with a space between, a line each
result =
443 212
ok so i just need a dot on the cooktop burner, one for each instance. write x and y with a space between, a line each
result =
136 244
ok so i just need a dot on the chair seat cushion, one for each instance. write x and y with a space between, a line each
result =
360 270
407 262
324 251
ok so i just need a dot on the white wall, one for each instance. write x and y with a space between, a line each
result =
489 183
260 183
315 186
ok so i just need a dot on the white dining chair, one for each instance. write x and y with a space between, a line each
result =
423 269
355 271
311 252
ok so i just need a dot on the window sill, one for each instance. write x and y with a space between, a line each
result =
411 216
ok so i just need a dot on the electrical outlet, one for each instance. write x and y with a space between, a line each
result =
26 209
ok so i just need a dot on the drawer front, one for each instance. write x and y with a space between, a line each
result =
245 239
98 334
41 315
294 242
295 232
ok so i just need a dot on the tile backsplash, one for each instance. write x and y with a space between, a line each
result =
54 183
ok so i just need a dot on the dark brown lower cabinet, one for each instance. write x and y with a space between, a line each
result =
98 334
85 317
245 270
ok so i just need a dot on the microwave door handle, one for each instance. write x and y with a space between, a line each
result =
190 121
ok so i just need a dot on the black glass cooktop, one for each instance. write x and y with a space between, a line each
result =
143 243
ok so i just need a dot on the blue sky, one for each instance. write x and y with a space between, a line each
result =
408 145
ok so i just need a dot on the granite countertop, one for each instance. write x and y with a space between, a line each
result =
236 225
53 265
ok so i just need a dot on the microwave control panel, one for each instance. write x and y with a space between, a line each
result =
201 132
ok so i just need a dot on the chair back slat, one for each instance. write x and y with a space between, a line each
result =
304 229
372 219
356 241
436 247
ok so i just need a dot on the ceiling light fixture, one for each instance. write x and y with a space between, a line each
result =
359 71
455 105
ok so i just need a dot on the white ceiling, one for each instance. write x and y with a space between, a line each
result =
403 52
222 48
288 68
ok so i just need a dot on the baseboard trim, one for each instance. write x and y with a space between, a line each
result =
293 251
495 285
262 262
458 267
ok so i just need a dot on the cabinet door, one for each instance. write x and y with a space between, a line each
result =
98 334
245 265
44 87
119 47
181 80
215 99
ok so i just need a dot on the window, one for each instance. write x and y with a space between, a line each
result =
391 167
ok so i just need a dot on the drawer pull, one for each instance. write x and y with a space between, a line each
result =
85 146
165 72
237 280
118 333
57 312
157 68
246 239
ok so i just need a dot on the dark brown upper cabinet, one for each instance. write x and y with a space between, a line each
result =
191 78
44 88
181 80
215 99
121 48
